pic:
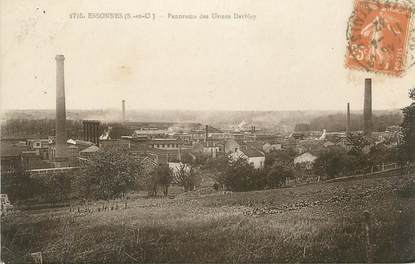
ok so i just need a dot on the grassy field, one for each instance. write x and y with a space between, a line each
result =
313 223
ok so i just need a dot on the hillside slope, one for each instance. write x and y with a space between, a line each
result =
314 223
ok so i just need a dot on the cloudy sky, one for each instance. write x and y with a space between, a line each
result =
291 57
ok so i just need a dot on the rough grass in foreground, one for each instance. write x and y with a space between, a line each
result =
217 229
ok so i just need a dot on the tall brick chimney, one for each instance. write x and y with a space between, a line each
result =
206 134
367 108
348 120
123 110
60 152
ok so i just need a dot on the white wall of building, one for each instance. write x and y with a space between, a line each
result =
257 162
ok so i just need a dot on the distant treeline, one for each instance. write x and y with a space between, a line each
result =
40 128
337 122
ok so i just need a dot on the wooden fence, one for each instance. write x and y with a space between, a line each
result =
380 170
389 170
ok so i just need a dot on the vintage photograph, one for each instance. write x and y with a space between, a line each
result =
193 131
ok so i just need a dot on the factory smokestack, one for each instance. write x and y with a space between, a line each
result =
206 133
348 120
123 110
367 108
60 108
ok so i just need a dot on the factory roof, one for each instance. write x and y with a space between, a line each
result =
90 149
79 142
164 140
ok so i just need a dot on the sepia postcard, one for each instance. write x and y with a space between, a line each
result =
195 131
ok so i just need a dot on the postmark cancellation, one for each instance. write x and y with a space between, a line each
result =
377 35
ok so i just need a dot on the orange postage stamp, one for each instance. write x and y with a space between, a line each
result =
378 37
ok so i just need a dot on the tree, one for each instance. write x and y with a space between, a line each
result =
278 174
331 162
407 147
111 173
17 184
360 158
40 127
161 176
53 188
239 175
187 176
379 154
335 122
283 156
302 127
358 142
217 166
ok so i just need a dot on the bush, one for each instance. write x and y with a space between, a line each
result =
17 185
278 174
111 173
331 163
408 190
240 176
160 176
187 176
283 156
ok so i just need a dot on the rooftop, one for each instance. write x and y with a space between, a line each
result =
90 149
252 152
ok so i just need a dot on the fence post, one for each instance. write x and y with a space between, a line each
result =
369 253
363 177
37 257
137 237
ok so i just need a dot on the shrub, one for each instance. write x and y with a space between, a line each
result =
187 176
331 163
278 174
160 176
111 173
239 176
408 189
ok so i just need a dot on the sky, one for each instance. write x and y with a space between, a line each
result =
291 57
